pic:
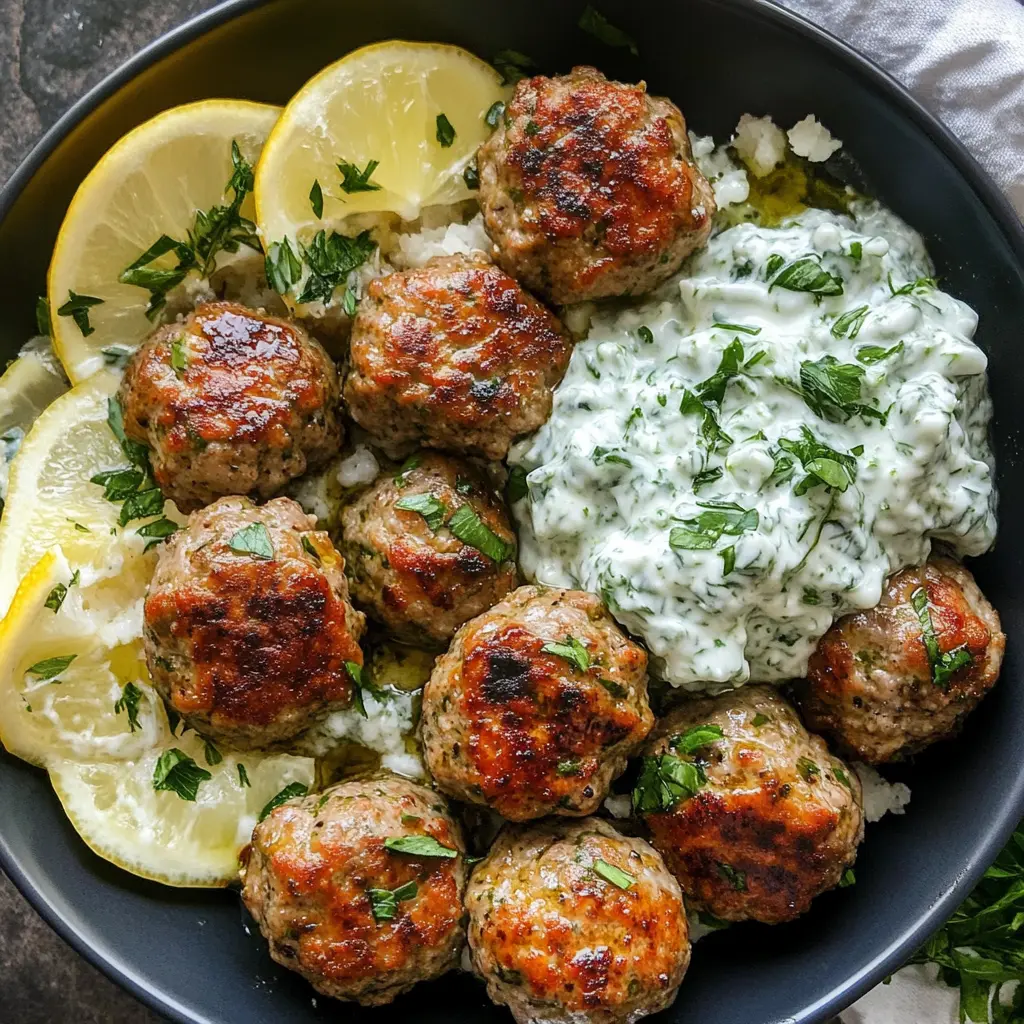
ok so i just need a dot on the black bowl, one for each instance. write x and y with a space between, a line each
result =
189 953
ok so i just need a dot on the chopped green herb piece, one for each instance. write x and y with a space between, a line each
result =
494 112
138 454
141 505
617 690
742 328
292 790
432 509
309 547
856 251
50 668
571 651
665 780
56 598
517 488
445 133
471 176
841 776
176 772
610 873
646 335
774 263
355 180
243 776
848 879
128 702
921 284
411 463
116 355
212 754
316 199
158 281
695 738
737 879
330 259
77 307
759 719
849 324
43 316
512 66
472 530
349 303
118 484
384 902
703 532
871 354
601 455
254 540
728 559
943 665
823 465
355 673
810 596
806 275
80 527
283 267
419 846
569 766
594 23
832 389
808 770
179 361
157 531
710 435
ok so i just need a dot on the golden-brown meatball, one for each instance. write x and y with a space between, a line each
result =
874 686
571 921
231 402
248 626
536 706
359 889
750 812
453 355
589 189
427 548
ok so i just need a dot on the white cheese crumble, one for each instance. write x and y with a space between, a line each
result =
760 143
359 468
880 797
808 138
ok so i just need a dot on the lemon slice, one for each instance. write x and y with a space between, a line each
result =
157 834
150 183
28 386
380 103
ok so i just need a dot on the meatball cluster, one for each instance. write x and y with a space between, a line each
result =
248 627
536 706
428 548
751 813
230 401
572 921
453 355
885 683
359 889
589 188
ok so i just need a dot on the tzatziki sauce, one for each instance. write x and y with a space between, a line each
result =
739 459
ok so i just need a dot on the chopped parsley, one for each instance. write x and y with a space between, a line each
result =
921 284
179 360
808 770
871 354
77 307
703 532
444 133
283 267
384 902
254 540
823 465
156 531
51 668
610 873
664 781
943 665
43 325
569 766
517 488
471 176
128 702
355 180
617 690
141 505
848 879
849 324
512 66
494 113
472 530
292 790
55 599
316 199
571 651
243 776
831 390
411 463
330 259
742 328
759 719
176 772
309 547
211 753
695 738
736 879
594 23
803 275
432 509
419 846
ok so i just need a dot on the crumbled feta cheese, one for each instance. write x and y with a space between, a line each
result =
881 797
812 140
760 143
358 468
619 806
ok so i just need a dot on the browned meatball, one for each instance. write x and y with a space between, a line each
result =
343 902
453 355
428 548
873 685
752 815
571 921
536 706
231 402
589 189
248 626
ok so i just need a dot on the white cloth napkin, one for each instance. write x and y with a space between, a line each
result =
964 60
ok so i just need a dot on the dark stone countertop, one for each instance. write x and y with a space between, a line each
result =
51 52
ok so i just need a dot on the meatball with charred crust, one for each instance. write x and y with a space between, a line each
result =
536 706
359 889
230 401
589 189
571 921
248 626
453 355
750 812
885 683
428 548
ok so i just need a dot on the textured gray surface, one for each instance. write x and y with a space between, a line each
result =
52 51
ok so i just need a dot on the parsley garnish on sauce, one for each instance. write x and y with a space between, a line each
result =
571 651
943 665
831 389
77 307
802 275
849 324
871 354
128 702
384 902
703 532
594 23
51 668
419 846
823 465
176 772
293 789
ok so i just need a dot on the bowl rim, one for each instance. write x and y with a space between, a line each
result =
992 197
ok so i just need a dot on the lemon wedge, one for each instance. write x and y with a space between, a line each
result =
403 120
28 386
149 184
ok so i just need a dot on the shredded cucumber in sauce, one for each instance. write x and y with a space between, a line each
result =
882 413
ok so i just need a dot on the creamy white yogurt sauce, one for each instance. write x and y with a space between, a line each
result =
836 473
